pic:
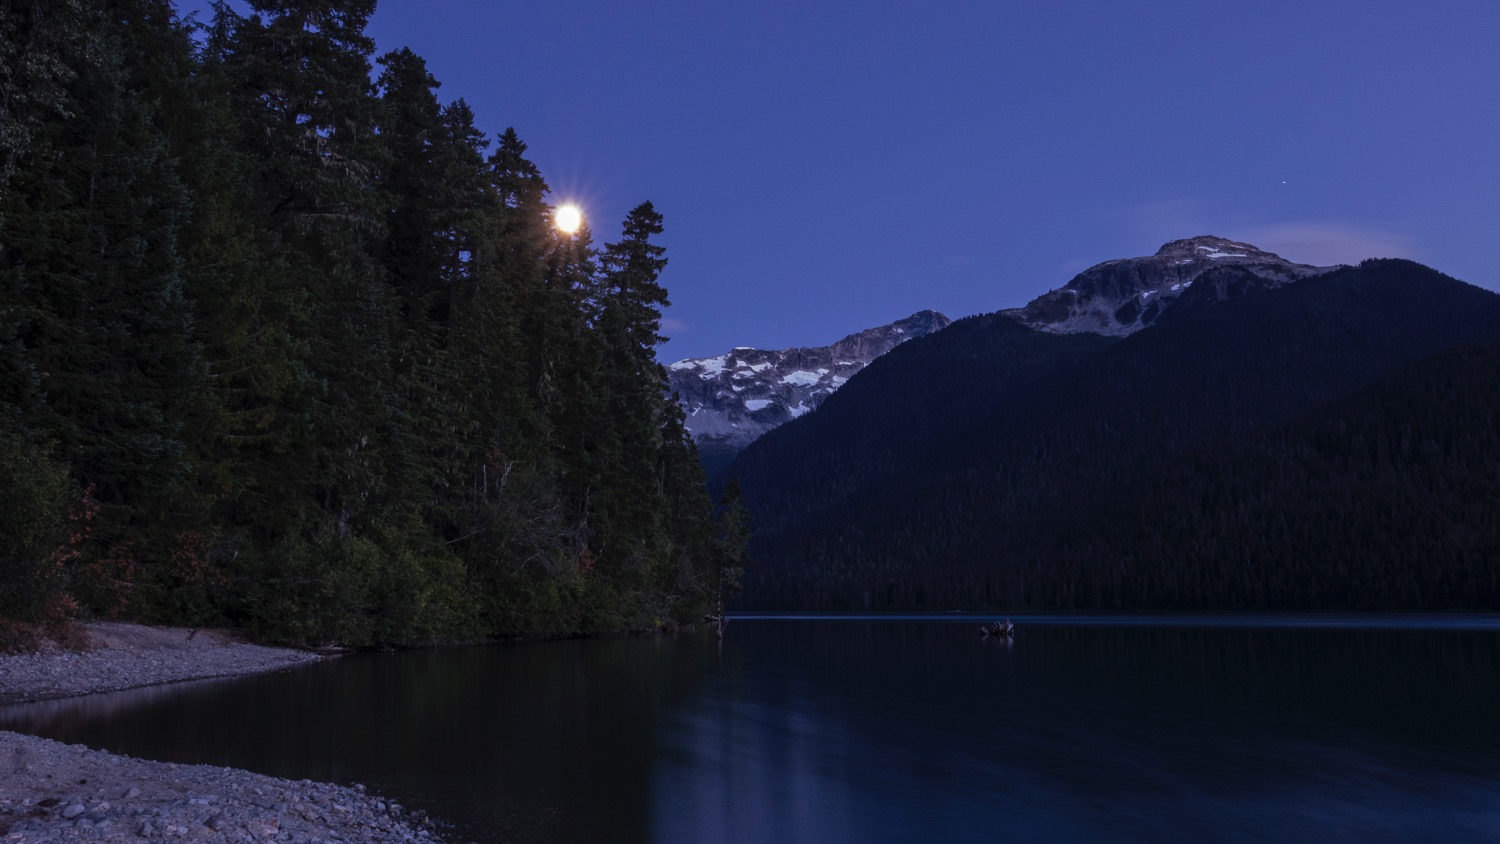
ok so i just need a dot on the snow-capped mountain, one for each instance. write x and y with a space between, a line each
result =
1123 296
731 399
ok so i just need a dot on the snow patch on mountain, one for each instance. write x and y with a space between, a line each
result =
735 397
1122 296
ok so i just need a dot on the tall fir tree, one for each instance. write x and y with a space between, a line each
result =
40 43
303 93
628 516
91 258
306 359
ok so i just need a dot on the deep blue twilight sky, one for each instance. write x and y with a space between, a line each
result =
825 167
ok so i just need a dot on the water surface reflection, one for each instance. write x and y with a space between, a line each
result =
877 730
888 730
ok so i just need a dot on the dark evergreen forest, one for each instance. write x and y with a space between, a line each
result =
288 344
1330 445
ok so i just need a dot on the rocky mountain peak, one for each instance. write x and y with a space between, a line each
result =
1123 296
1210 248
731 399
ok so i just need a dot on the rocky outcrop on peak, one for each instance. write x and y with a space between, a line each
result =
731 399
1123 296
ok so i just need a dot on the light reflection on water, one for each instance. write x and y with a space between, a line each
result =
1103 732
1301 728
1289 621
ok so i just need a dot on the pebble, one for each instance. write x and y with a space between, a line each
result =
53 674
40 804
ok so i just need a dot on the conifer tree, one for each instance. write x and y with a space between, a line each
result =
411 127
412 255
628 326
251 428
731 541
91 258
508 299
687 521
33 499
303 93
632 290
40 41
307 361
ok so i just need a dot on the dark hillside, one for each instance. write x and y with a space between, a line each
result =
1387 499
880 428
977 499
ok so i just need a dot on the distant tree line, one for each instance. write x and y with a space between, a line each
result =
1329 445
286 349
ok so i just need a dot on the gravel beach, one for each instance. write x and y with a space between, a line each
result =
126 656
52 792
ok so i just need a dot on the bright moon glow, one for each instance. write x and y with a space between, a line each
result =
568 218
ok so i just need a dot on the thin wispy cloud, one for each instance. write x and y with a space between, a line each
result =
1321 242
1324 243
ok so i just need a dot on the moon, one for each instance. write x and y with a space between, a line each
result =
568 218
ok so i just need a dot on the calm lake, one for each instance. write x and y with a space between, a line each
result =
881 729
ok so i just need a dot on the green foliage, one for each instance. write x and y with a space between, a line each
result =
33 490
40 42
319 365
95 313
353 590
732 539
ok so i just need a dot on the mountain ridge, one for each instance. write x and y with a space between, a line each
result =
941 511
1119 297
733 398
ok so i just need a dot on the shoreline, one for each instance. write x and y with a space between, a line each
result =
52 792
129 656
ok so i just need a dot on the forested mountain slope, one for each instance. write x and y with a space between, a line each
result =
1386 499
880 429
977 506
